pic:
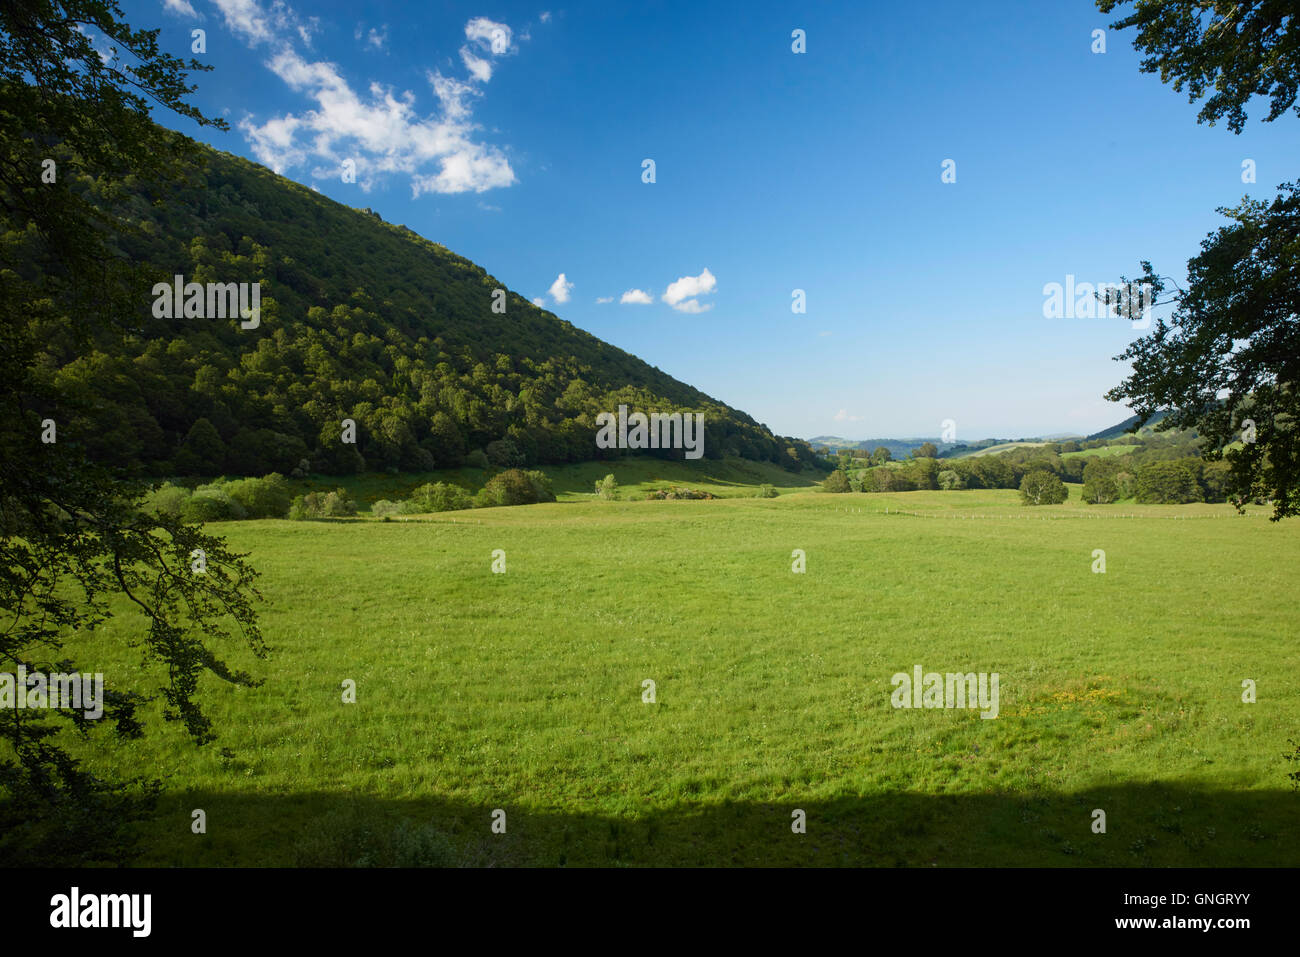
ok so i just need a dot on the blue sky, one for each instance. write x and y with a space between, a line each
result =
515 135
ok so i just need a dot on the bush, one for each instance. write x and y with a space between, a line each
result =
607 488
437 497
167 499
950 481
1041 487
339 504
211 503
384 508
511 487
765 491
261 497
304 506
677 493
335 504
837 482
541 483
477 459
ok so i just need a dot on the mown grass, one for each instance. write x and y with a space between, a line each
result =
523 691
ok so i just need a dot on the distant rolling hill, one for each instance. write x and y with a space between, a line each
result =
1115 431
898 448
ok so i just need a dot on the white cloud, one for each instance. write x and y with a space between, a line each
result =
601 300
487 39
539 301
183 7
692 306
637 297
843 416
247 18
680 294
377 38
560 289
496 38
546 16
479 68
258 24
381 130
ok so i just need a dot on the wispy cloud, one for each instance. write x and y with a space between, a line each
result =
380 130
843 416
638 297
601 300
375 37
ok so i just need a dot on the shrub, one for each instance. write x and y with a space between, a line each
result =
837 481
261 497
541 483
607 488
211 503
477 459
1041 487
437 497
384 508
335 504
765 491
511 487
677 493
950 481
305 506
167 499
339 504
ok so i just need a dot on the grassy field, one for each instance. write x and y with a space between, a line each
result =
997 449
1104 451
729 478
523 691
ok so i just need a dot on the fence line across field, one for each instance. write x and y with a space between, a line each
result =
1043 518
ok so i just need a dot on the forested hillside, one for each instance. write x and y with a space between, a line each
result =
360 319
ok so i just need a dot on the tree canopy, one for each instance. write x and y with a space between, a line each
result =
1222 51
1227 362
76 546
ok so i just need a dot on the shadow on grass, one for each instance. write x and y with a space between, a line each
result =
1147 825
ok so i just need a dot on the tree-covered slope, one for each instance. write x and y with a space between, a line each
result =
360 319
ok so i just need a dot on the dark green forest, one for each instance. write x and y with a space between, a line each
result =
360 319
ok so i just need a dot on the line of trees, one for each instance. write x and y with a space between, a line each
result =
1161 469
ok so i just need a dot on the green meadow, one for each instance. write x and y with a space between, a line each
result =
727 478
523 691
